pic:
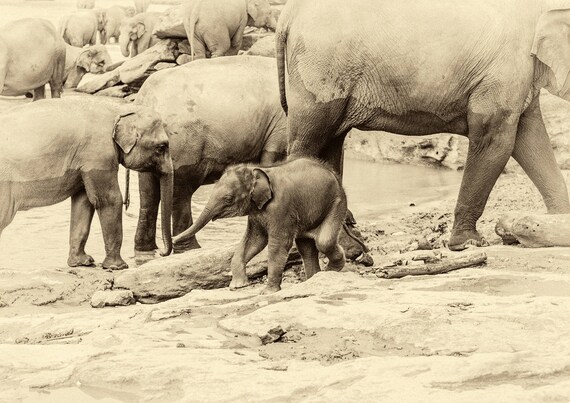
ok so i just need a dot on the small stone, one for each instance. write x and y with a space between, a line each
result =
112 298
180 345
164 65
272 335
183 59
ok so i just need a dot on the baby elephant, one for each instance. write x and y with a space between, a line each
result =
299 200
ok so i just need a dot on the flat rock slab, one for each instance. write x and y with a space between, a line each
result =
132 69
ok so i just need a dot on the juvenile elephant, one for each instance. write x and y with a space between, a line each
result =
298 200
56 149
79 61
32 55
136 33
81 27
114 16
217 113
385 65
141 6
215 27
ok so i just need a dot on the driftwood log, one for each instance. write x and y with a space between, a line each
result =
177 275
453 262
534 230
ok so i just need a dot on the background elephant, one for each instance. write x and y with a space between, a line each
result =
384 65
114 16
300 200
216 113
215 27
73 148
85 4
81 27
141 6
31 55
136 33
79 61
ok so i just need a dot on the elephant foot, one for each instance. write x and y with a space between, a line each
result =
335 266
461 240
238 283
190 244
143 256
82 259
270 289
114 264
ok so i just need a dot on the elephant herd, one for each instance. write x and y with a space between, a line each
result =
262 125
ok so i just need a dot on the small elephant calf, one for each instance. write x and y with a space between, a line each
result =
300 200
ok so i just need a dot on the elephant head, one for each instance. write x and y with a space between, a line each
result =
131 30
94 59
142 145
552 47
240 190
260 14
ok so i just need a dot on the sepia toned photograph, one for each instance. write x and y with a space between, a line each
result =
284 201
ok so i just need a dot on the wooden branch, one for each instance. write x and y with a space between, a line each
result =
534 230
455 262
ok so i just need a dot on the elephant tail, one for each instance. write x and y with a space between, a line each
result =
190 26
280 43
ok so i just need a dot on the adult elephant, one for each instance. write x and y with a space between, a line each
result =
216 113
421 67
114 16
81 27
215 27
136 33
73 148
32 55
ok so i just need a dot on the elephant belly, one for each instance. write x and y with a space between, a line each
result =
46 192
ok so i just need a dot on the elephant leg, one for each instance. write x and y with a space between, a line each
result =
149 194
81 216
253 242
491 143
327 238
310 256
198 49
103 191
533 151
217 43
58 75
269 158
182 212
279 244
39 93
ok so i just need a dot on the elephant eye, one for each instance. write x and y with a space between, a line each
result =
161 148
228 199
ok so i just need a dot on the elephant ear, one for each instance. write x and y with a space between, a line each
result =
262 191
125 134
140 29
252 9
551 46
85 58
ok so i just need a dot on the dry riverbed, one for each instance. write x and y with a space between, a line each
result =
496 330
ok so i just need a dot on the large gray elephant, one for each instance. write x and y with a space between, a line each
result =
32 54
216 113
136 33
215 27
73 148
81 27
114 16
422 67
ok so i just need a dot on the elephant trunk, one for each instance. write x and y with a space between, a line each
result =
166 190
124 41
201 221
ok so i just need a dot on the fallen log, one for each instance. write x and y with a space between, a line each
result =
457 261
177 275
534 230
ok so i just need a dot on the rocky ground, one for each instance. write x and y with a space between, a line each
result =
473 334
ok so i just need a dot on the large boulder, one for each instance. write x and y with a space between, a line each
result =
171 23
